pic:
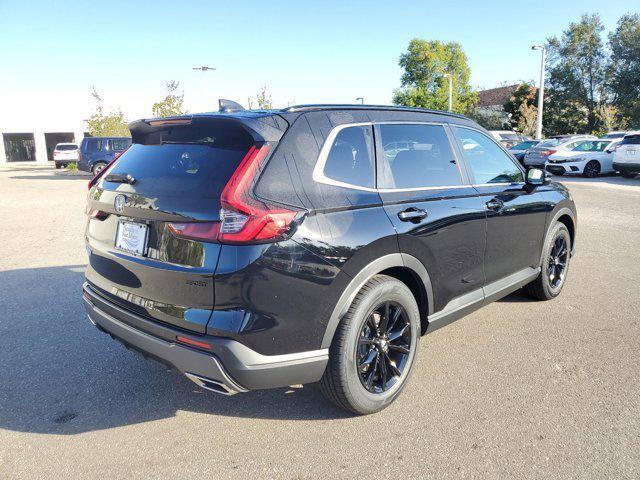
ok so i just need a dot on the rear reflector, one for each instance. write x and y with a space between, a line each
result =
207 231
193 343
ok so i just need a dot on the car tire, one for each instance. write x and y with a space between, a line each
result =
591 169
58 166
555 264
97 167
627 174
360 375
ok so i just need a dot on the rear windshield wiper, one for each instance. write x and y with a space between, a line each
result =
120 178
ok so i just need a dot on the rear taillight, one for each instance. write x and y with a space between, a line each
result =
243 218
546 153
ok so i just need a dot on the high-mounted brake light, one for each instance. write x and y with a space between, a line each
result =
243 218
175 121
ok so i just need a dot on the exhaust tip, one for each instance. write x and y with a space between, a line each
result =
215 386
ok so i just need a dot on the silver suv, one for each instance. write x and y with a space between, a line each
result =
537 156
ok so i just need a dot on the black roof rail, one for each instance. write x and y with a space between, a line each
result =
350 106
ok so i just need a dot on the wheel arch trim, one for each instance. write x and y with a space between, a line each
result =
383 263
561 212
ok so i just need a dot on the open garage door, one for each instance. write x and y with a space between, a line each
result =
19 147
52 139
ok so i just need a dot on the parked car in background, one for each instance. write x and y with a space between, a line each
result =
65 153
507 138
626 158
613 135
95 153
537 156
519 149
217 243
590 158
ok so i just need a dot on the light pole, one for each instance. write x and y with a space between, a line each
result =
540 89
450 77
204 69
361 100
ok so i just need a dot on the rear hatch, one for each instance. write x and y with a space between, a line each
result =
65 152
172 175
629 149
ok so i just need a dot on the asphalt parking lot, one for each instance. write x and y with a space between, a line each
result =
519 389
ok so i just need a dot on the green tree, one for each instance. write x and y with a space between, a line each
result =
172 104
102 124
624 72
522 109
263 99
577 73
423 83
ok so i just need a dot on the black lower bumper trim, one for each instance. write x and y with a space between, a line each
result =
230 364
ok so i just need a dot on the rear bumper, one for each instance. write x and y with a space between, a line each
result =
626 166
230 367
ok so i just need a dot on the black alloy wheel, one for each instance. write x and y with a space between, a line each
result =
557 263
383 348
591 169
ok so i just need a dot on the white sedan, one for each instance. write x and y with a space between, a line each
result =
590 158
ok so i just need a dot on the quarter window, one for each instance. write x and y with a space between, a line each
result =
488 162
350 159
416 156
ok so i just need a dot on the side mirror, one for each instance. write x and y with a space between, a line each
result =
536 177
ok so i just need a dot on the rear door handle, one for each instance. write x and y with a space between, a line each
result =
494 204
412 214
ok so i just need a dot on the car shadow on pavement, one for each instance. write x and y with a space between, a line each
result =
60 375
54 176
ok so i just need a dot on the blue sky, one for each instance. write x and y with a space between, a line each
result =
51 52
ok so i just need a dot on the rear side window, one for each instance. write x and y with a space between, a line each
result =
631 140
416 156
488 162
119 144
350 159
62 148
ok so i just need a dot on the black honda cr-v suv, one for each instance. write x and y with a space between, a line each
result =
317 243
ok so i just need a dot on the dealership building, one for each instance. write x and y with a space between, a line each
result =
23 143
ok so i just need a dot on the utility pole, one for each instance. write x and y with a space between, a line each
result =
205 69
540 89
448 75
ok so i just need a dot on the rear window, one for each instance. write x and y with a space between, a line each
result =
62 148
631 140
178 170
550 143
183 169
509 136
523 146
